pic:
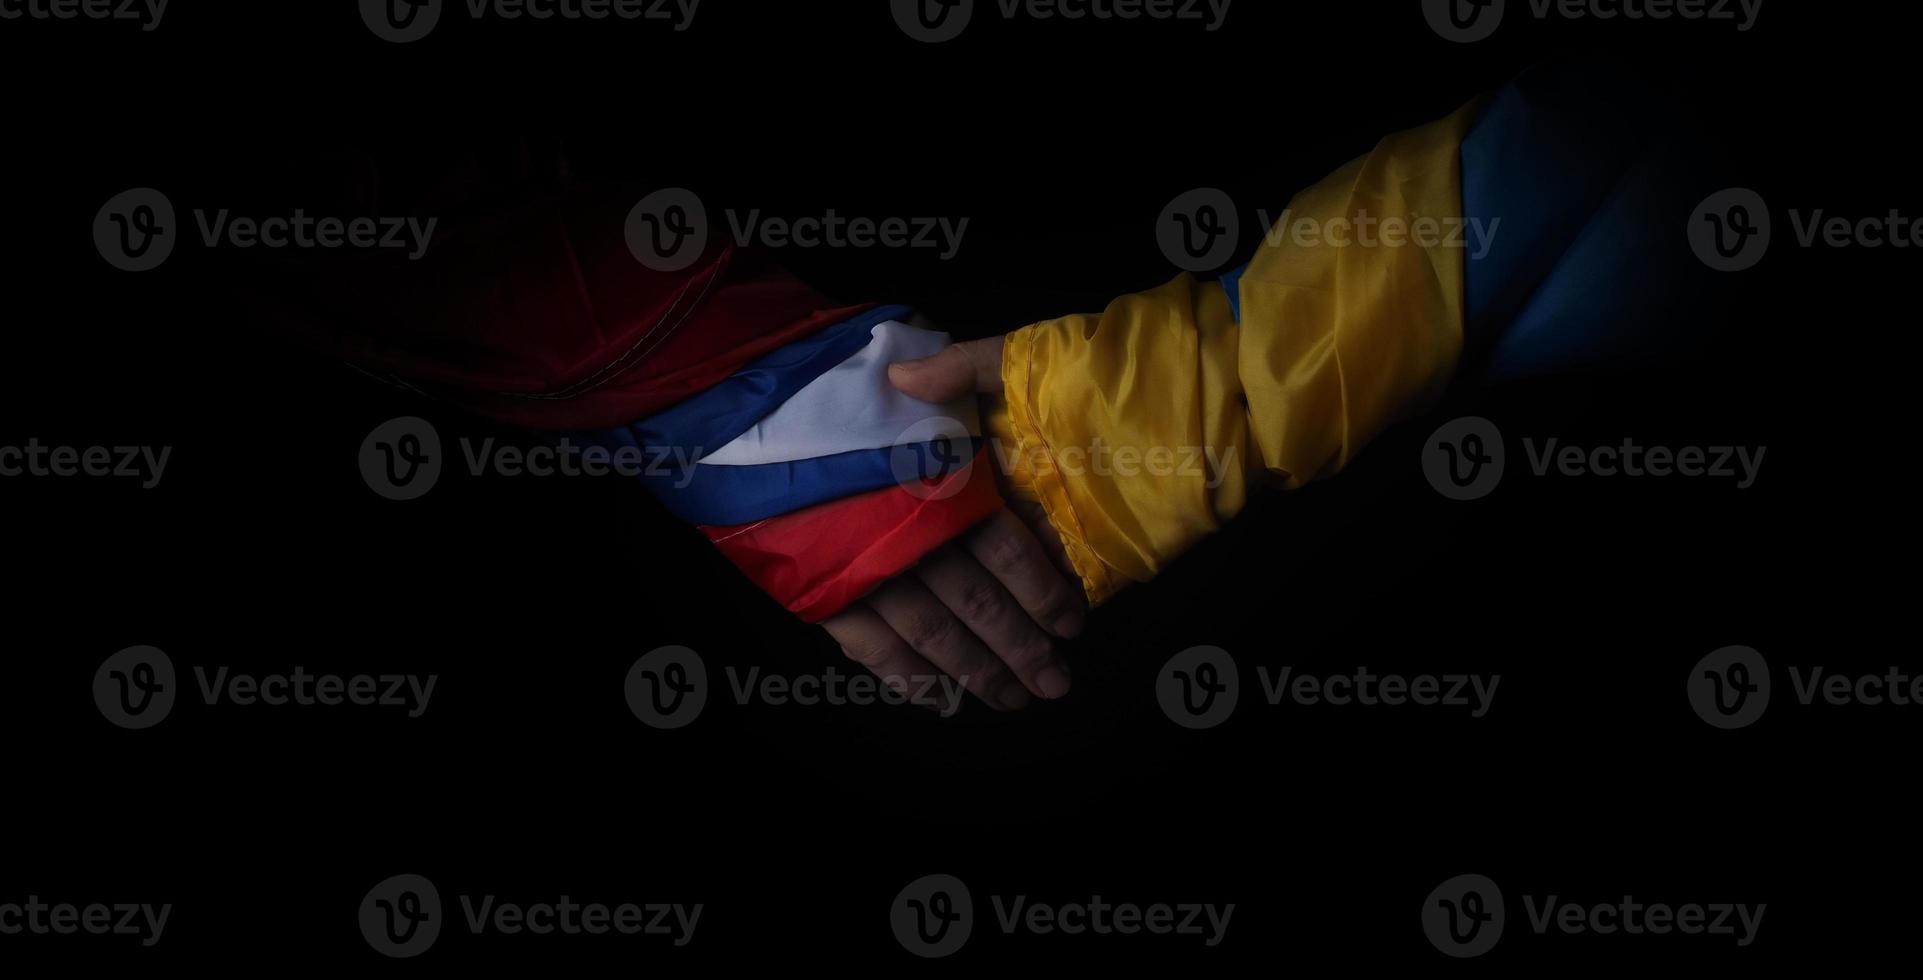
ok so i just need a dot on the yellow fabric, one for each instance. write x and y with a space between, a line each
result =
1144 428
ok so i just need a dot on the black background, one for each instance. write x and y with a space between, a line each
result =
529 778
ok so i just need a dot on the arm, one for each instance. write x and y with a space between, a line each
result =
1572 254
529 307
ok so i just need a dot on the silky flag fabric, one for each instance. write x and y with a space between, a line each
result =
811 422
715 417
1567 199
849 408
530 308
818 560
811 473
705 494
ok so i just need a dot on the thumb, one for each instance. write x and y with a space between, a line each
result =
960 369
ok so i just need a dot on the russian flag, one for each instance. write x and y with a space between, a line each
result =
811 472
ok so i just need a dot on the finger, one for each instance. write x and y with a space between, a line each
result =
869 641
1009 551
932 630
983 605
960 369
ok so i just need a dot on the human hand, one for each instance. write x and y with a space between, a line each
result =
983 607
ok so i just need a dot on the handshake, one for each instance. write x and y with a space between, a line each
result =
956 509
985 607
846 473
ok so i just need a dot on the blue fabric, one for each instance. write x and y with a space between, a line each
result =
728 495
668 442
1589 263
1232 284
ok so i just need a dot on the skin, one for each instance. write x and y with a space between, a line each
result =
987 607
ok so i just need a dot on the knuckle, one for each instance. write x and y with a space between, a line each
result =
1001 553
932 629
979 602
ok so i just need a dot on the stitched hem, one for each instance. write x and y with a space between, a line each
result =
1018 372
